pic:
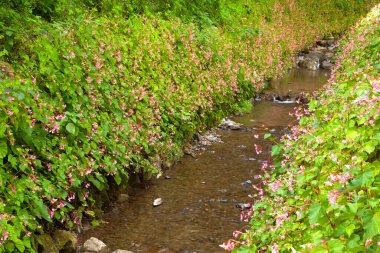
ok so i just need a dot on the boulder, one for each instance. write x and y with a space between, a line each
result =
310 63
321 56
95 245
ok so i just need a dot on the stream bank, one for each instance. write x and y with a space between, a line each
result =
204 193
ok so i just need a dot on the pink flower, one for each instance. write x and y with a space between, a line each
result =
5 236
333 196
258 149
275 248
368 242
227 245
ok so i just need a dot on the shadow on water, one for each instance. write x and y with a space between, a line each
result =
199 201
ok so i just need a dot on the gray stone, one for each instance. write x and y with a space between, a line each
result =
309 63
229 124
321 56
157 202
95 245
326 65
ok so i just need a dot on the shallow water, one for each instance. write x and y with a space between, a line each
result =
199 200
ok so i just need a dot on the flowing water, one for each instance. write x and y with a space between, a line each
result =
199 200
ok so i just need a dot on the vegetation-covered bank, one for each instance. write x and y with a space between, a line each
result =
112 90
323 192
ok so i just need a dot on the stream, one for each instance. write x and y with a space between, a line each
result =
200 193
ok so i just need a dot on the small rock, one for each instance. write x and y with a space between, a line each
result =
311 63
251 159
242 146
229 124
95 245
157 202
243 206
122 251
122 198
223 200
247 184
167 177
326 65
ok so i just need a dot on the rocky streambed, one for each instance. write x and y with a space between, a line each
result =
196 204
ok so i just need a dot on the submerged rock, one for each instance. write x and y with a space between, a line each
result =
122 198
95 245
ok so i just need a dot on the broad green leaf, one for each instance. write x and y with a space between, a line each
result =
96 182
315 211
350 229
70 128
372 227
3 149
117 178
352 134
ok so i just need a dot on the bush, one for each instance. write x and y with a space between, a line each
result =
323 194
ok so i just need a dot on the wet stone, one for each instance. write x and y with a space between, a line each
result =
229 124
95 245
243 206
157 202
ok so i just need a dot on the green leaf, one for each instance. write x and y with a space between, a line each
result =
350 229
352 134
315 212
19 244
41 211
266 136
117 178
3 149
96 182
369 147
372 227
276 150
70 128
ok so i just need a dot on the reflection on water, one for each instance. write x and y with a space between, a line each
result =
199 201
300 80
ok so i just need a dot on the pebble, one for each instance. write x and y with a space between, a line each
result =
243 206
157 202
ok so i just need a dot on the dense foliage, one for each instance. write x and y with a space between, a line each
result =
89 99
323 194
